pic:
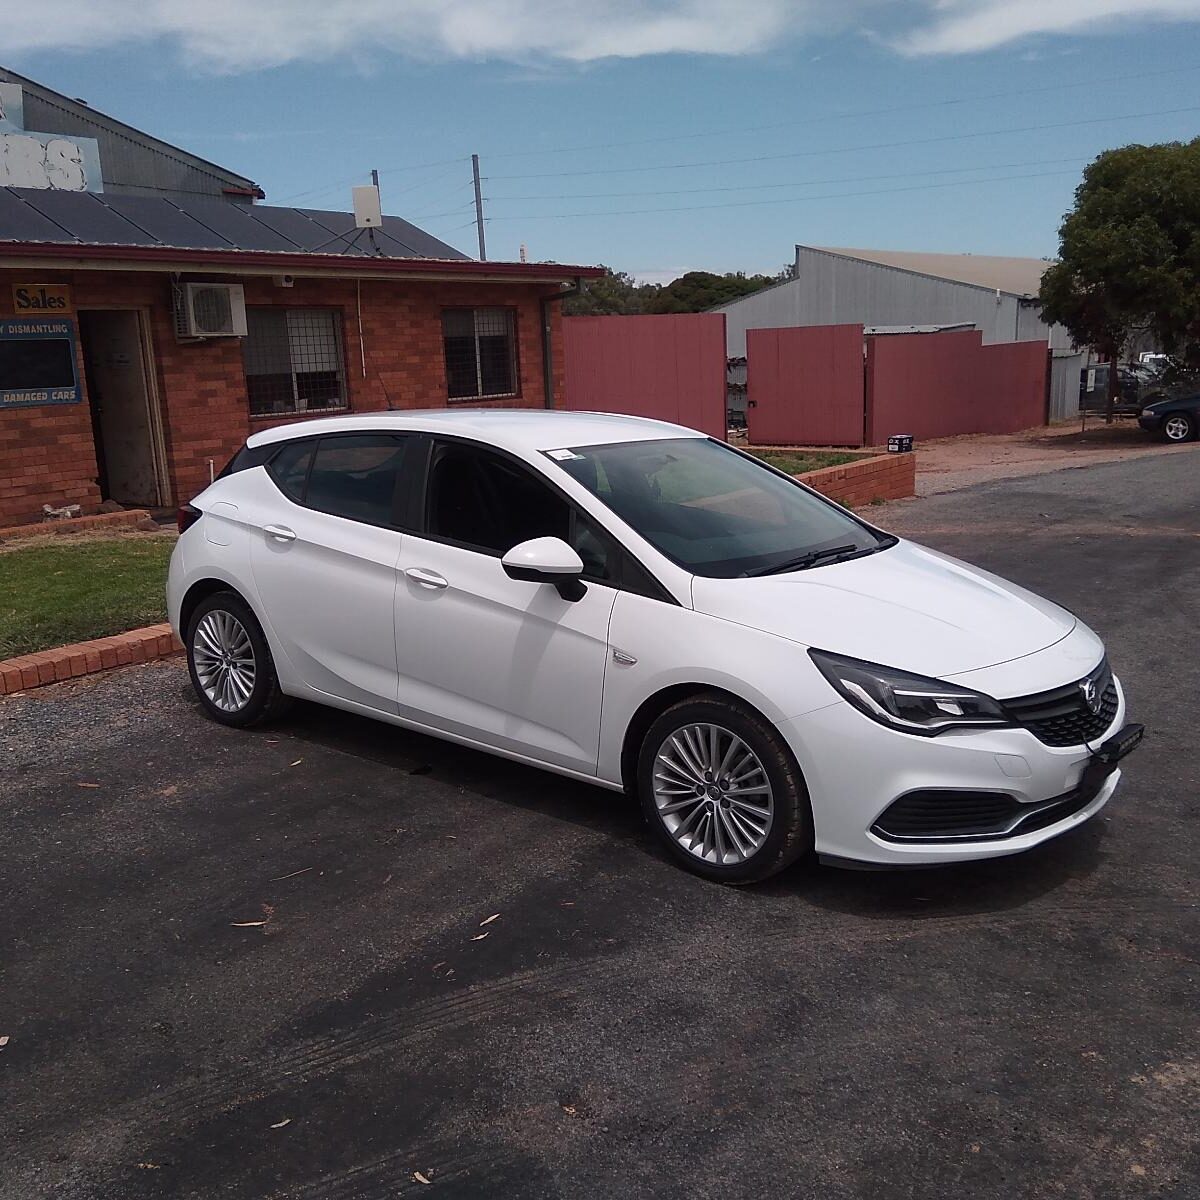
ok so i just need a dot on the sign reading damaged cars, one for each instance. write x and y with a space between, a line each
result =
37 363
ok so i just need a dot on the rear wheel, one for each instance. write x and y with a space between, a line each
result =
230 663
722 791
1179 427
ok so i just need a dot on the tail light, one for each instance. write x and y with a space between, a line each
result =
187 516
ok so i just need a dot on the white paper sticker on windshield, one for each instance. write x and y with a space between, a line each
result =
563 455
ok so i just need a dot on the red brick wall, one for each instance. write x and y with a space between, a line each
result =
884 477
47 454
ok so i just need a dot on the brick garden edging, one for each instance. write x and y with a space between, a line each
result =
883 477
87 658
112 520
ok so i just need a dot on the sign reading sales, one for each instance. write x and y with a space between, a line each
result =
37 362
41 299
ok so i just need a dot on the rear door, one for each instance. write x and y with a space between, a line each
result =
504 662
325 557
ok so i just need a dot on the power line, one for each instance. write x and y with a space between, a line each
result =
842 116
791 183
630 212
949 137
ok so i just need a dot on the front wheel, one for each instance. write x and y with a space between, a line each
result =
722 791
230 663
1179 427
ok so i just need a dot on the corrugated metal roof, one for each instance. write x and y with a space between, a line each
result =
132 162
30 215
1017 276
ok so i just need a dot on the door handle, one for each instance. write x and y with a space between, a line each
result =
281 533
427 578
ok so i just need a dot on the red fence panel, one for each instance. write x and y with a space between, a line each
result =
925 384
939 384
1014 379
670 367
804 386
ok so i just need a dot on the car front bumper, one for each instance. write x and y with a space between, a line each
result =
856 769
1151 422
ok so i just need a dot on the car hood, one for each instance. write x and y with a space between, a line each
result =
907 607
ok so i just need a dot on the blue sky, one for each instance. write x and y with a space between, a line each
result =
953 125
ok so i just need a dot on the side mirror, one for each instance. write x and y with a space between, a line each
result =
547 560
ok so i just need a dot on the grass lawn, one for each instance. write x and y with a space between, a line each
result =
799 461
68 590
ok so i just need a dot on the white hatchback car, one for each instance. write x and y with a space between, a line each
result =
639 606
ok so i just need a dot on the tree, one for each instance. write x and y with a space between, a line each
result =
614 294
698 291
1129 259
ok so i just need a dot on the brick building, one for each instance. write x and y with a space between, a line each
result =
144 335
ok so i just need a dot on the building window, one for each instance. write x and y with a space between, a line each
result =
481 352
293 360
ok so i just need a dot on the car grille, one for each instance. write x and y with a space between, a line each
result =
1061 716
948 816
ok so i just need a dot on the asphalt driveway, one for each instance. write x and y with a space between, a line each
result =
333 960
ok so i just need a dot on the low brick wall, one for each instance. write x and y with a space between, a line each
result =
113 520
86 658
884 477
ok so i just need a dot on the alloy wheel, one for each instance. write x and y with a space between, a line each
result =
1177 428
223 656
712 794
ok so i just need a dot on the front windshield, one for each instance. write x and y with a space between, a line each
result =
714 511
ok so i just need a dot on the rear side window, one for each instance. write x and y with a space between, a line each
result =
289 468
357 477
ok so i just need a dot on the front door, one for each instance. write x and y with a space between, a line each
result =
498 660
120 394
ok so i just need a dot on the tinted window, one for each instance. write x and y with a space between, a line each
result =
712 510
289 468
357 477
488 503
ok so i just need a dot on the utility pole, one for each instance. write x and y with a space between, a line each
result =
478 207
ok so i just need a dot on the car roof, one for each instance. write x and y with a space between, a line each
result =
517 429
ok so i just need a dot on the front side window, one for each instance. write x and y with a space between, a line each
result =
293 361
487 503
481 352
713 511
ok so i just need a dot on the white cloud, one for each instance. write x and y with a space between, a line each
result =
239 35
967 26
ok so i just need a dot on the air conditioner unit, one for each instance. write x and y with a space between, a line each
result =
204 310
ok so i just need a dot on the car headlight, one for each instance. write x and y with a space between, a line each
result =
911 703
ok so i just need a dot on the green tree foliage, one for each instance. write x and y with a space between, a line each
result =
698 291
1129 261
618 294
615 294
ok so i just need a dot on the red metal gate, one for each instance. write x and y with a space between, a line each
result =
670 367
804 386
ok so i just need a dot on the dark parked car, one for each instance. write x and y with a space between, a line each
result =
1132 393
1176 418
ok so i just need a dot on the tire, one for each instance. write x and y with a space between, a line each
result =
230 663
674 752
1179 427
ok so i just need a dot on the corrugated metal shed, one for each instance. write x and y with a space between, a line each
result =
839 287
1017 276
30 215
132 162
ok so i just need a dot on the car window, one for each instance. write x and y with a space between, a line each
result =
712 510
289 468
489 503
357 477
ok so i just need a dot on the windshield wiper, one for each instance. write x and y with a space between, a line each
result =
812 558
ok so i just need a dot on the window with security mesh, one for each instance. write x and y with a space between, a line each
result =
293 360
481 352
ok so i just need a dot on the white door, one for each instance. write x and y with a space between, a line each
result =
505 662
324 560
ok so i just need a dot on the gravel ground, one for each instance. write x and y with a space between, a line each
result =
248 965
